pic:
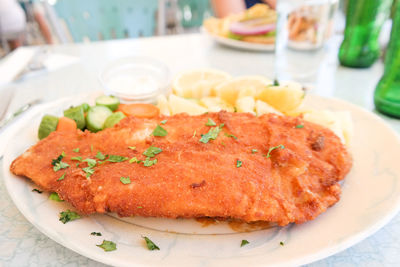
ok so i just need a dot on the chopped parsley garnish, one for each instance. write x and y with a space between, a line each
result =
148 162
254 151
91 148
67 216
76 150
152 151
132 147
238 163
60 165
91 162
116 158
54 196
212 134
276 82
37 191
139 207
134 160
125 180
281 243
108 245
194 134
62 177
163 122
100 156
210 122
89 171
77 165
231 135
159 131
244 243
96 233
76 158
58 159
150 244
299 126
273 148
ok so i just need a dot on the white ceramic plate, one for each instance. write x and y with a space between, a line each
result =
370 198
239 44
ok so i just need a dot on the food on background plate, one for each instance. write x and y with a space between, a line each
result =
228 165
255 25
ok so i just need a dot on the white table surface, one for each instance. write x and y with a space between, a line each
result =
23 245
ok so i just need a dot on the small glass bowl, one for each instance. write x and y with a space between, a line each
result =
136 79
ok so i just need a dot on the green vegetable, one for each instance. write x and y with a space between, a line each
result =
89 171
212 134
76 158
276 82
150 244
54 196
233 36
108 245
134 160
238 163
60 165
163 122
231 135
91 162
125 180
110 102
76 150
210 122
67 216
96 118
113 119
273 148
37 190
95 233
159 131
78 115
244 242
85 107
58 159
299 126
47 125
132 147
152 151
116 158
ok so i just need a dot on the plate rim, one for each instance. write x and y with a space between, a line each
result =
316 256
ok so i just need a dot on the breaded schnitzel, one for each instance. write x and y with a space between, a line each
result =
227 165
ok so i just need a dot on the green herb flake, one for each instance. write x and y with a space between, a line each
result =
152 151
91 162
62 177
96 233
253 151
76 150
57 160
60 165
273 148
159 131
116 158
212 134
89 171
37 191
163 122
281 243
108 245
276 82
91 148
150 244
238 163
67 216
125 180
139 207
76 158
100 156
210 122
132 147
148 162
231 135
54 196
194 134
77 165
244 243
299 126
63 154
134 160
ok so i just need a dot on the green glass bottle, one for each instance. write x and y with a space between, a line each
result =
364 20
387 92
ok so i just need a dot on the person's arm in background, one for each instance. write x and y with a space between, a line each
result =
223 8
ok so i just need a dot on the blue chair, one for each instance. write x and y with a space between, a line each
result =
105 19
